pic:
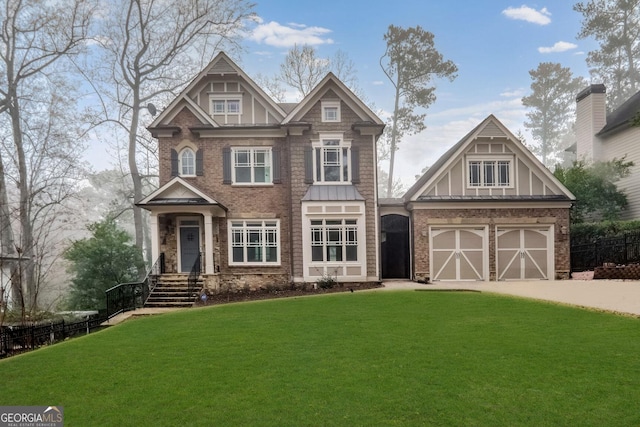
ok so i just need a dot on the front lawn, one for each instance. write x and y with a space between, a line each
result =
370 359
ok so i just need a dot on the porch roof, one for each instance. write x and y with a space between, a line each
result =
327 193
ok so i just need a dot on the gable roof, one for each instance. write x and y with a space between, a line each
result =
621 117
359 107
221 64
489 127
167 195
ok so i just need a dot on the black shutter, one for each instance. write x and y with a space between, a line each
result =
308 165
174 163
226 165
355 165
277 178
199 165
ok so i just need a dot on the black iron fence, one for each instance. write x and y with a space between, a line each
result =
129 296
21 338
194 275
620 250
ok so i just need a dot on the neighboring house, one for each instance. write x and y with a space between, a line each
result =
265 193
486 210
602 136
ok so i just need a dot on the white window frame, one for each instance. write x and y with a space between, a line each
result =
485 164
182 165
331 106
321 149
228 99
252 164
321 237
239 236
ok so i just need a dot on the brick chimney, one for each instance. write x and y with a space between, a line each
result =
591 116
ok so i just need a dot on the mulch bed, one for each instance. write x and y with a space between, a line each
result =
263 294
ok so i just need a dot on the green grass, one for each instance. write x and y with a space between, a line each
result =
370 359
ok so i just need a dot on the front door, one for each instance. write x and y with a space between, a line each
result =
189 247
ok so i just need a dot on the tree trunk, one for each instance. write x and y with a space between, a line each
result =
392 145
26 241
135 175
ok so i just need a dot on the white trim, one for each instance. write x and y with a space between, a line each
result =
350 99
172 108
179 182
252 150
496 159
180 162
353 210
262 228
326 104
342 144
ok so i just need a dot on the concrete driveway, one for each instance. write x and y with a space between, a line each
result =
611 295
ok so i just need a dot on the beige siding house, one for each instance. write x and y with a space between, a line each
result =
486 210
261 193
602 136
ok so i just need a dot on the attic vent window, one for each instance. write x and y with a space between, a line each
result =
330 111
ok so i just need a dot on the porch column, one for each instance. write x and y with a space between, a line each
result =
208 244
155 245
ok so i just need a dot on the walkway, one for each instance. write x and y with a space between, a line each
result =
610 295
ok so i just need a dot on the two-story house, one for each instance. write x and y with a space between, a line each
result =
602 136
261 193
486 210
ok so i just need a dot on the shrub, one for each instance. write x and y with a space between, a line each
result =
591 232
326 282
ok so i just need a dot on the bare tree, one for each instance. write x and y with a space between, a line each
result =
302 69
149 48
34 39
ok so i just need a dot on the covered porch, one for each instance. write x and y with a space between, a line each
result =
184 227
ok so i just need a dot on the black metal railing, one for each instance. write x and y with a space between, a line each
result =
620 250
21 338
129 296
154 273
192 281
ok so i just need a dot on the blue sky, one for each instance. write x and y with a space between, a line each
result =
494 44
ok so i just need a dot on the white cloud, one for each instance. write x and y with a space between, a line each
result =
558 47
377 83
516 93
278 35
526 13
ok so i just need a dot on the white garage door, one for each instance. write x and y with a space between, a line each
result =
458 254
524 253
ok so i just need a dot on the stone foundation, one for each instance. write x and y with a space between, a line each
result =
224 282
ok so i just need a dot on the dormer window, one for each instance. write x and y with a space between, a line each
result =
187 164
330 111
489 173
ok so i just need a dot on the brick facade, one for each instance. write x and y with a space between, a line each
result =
423 218
260 124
